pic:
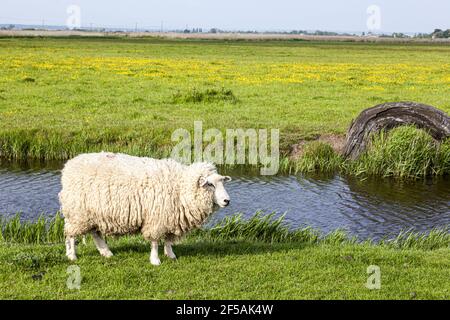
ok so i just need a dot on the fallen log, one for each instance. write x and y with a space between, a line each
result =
390 115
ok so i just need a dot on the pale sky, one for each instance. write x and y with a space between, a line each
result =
344 15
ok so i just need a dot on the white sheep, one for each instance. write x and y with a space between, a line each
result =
117 194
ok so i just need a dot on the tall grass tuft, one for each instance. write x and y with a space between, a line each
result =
404 152
442 160
259 227
435 239
43 230
318 156
205 96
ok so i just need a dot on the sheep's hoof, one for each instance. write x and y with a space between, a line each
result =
72 257
106 254
155 261
171 256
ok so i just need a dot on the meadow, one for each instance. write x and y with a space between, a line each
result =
60 97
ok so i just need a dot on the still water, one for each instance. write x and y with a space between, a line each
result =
371 208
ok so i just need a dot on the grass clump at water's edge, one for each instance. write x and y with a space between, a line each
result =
43 230
261 228
317 156
403 152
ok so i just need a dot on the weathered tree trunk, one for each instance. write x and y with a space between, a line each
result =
390 115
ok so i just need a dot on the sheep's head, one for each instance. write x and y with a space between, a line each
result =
214 183
208 184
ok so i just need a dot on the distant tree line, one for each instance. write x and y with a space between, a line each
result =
8 27
193 30
438 33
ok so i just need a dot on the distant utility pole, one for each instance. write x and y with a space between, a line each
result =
162 26
90 26
43 23
135 27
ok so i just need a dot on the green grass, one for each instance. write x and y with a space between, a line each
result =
404 152
43 230
259 258
61 97
317 156
205 96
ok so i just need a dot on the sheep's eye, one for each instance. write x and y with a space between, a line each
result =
209 184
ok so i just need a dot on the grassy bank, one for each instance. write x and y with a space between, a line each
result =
60 97
255 259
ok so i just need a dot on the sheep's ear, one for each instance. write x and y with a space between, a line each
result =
227 178
202 181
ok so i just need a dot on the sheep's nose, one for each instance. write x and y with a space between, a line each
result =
227 201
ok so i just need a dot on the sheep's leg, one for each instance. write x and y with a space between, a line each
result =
168 250
154 259
70 248
101 245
